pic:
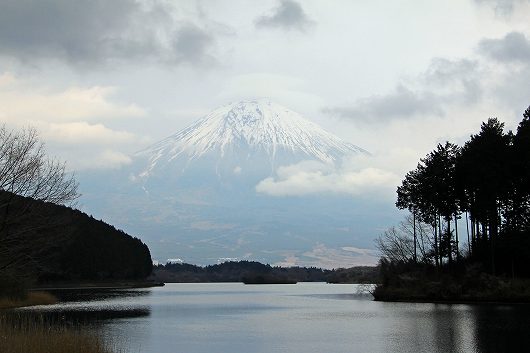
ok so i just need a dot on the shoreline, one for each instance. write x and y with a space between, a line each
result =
34 298
455 301
470 288
95 285
43 294
456 293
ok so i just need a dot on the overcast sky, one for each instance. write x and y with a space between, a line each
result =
103 79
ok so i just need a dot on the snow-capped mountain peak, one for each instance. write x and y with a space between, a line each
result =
254 126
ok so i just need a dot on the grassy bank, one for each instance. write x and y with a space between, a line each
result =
25 335
31 299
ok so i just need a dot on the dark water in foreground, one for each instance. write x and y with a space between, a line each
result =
307 317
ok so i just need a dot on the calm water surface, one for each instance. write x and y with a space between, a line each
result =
307 317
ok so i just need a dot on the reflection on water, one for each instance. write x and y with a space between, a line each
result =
502 328
307 317
87 307
75 317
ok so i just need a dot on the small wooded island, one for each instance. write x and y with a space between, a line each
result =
467 238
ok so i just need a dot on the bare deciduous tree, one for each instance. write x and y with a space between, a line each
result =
27 173
397 243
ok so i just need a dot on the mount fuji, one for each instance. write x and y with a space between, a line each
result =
194 196
254 137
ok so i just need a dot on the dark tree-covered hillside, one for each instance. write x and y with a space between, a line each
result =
59 243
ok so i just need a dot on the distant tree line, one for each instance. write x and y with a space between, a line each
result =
477 194
240 271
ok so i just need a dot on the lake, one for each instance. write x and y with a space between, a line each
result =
306 317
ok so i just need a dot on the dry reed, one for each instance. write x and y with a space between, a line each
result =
30 335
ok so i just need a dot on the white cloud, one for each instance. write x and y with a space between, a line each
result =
89 146
72 122
88 157
290 260
281 89
360 251
83 132
111 159
22 101
310 177
348 256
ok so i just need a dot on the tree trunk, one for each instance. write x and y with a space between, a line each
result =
467 229
415 241
440 253
456 239
449 238
436 244
493 237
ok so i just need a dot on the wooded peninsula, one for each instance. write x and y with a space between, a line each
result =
467 237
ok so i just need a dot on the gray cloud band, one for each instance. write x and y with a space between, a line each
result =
429 97
501 7
288 15
514 46
93 33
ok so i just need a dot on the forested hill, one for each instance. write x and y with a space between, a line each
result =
49 242
242 271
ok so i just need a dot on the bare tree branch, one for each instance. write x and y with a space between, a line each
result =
27 173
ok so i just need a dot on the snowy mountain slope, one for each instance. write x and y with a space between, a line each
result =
248 129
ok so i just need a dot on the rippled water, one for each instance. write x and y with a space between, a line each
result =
307 317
